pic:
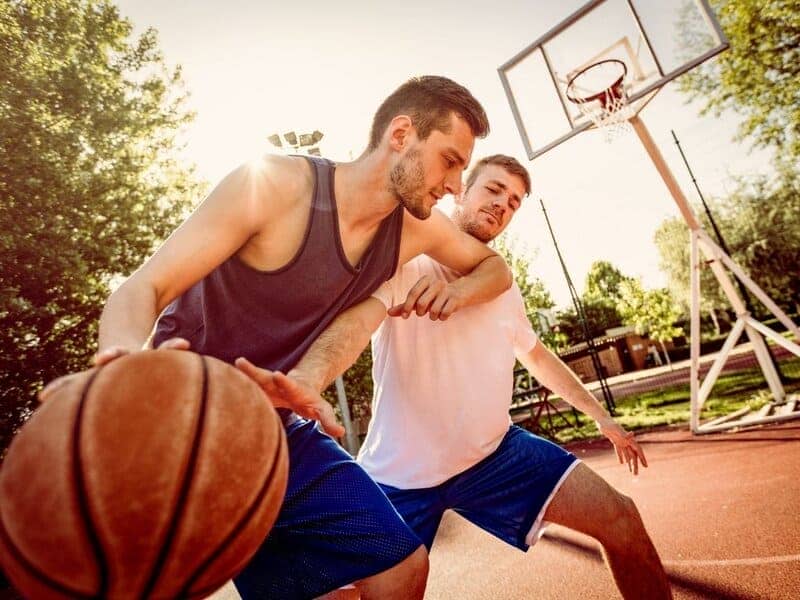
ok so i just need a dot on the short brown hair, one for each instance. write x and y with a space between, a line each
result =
429 100
509 163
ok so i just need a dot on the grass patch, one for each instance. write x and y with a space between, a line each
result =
670 405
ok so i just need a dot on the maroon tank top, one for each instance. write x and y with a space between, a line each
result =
272 317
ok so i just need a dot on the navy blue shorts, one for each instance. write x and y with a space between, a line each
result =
505 494
335 526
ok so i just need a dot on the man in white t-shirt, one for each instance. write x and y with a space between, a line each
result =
441 436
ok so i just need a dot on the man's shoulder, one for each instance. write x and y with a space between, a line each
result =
288 177
436 221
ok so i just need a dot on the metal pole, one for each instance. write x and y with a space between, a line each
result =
350 438
742 288
598 366
712 250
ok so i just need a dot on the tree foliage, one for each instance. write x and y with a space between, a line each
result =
599 301
672 241
535 294
759 75
760 221
603 283
89 182
653 312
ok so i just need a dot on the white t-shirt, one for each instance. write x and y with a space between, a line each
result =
442 389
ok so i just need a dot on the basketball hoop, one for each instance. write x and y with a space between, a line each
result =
605 105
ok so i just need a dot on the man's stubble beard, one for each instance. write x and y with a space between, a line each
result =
471 227
407 183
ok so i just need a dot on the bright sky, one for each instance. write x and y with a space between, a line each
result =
257 67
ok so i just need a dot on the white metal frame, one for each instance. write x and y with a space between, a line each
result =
780 408
645 93
717 259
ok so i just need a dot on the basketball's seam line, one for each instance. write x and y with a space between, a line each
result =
243 521
82 493
186 484
35 572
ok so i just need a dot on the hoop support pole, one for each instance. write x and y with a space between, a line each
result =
665 172
701 241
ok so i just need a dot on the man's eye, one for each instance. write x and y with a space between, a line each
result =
491 189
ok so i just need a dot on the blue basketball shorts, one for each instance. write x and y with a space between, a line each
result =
505 494
335 527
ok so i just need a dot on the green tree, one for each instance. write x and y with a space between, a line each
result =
89 182
599 318
602 283
761 225
760 221
599 300
672 241
758 76
653 312
536 296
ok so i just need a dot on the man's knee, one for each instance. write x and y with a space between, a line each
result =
416 565
624 523
406 579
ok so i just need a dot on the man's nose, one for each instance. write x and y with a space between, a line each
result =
453 185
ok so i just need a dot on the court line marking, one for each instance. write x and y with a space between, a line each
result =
730 562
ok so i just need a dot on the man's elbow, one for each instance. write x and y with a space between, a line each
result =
502 267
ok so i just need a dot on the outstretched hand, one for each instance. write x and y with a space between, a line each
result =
625 444
291 392
430 295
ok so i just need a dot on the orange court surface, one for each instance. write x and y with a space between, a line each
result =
722 510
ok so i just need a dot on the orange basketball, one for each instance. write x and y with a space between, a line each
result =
155 476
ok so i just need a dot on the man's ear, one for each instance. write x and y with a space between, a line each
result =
400 131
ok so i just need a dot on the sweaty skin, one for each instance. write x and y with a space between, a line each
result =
259 212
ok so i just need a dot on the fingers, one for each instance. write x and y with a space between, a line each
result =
436 309
109 354
639 452
396 311
257 374
114 352
632 460
414 294
52 387
633 453
429 295
174 344
327 419
307 402
420 297
264 378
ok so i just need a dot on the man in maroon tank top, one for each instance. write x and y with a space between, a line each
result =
251 253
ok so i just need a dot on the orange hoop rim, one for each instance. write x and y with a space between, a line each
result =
614 91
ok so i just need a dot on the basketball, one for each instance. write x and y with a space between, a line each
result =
158 475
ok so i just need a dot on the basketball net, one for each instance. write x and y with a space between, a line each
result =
605 105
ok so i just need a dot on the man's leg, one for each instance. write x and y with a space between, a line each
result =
335 526
422 511
404 580
585 502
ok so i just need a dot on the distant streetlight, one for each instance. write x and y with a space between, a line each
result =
303 142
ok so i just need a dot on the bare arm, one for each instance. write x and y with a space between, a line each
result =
330 355
550 371
485 274
338 347
235 211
